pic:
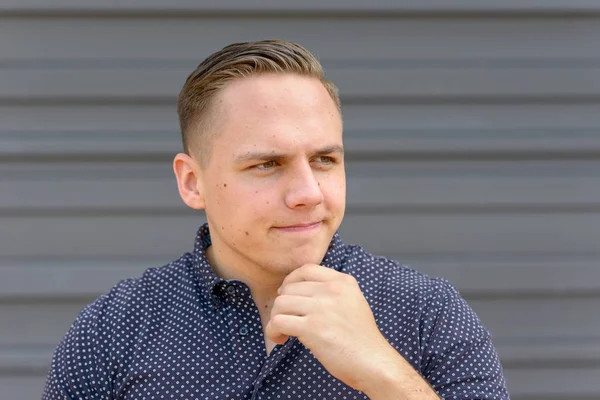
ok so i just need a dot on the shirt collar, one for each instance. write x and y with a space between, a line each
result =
208 280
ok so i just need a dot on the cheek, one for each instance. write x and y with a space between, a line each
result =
334 189
263 201
223 200
250 202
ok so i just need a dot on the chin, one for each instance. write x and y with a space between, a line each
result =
306 258
291 256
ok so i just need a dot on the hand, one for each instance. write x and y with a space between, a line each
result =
326 310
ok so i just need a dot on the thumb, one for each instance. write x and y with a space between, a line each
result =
273 334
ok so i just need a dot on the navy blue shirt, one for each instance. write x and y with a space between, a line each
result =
181 332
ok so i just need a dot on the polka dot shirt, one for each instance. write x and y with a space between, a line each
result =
181 332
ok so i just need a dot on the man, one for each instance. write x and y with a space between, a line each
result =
271 303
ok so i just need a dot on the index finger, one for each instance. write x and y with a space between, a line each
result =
311 273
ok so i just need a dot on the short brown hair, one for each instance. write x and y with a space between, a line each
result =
239 60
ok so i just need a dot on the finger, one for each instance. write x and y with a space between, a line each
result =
279 339
312 272
292 305
282 326
305 289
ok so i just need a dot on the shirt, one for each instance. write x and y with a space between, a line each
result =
181 332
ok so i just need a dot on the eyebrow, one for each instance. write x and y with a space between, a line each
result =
272 155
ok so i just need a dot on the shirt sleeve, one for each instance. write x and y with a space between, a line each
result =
73 374
459 359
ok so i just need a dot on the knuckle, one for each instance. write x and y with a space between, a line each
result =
277 321
323 329
280 302
327 302
306 267
335 288
284 289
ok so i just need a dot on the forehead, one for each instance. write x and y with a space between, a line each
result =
279 90
277 108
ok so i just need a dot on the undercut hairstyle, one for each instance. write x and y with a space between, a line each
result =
195 104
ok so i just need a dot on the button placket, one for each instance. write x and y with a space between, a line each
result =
248 345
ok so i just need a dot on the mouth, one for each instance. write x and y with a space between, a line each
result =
301 227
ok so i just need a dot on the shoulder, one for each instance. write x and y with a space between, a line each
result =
130 306
109 327
393 288
385 274
432 306
131 299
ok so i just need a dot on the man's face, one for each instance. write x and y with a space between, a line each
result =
275 185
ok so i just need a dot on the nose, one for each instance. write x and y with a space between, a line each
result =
303 188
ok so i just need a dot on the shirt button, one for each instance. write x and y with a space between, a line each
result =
231 290
243 331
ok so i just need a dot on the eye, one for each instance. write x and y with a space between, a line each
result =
325 160
266 165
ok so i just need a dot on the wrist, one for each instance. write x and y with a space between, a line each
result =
395 378
384 383
382 372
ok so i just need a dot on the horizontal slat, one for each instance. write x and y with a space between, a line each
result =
30 123
395 83
545 320
101 235
560 383
474 142
533 276
27 360
474 278
153 234
109 143
184 42
564 351
23 387
329 7
476 233
118 186
16 84
310 5
480 192
473 120
68 279
36 325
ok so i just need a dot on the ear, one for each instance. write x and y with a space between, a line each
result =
189 182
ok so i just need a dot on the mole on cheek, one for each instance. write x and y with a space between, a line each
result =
247 234
224 185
